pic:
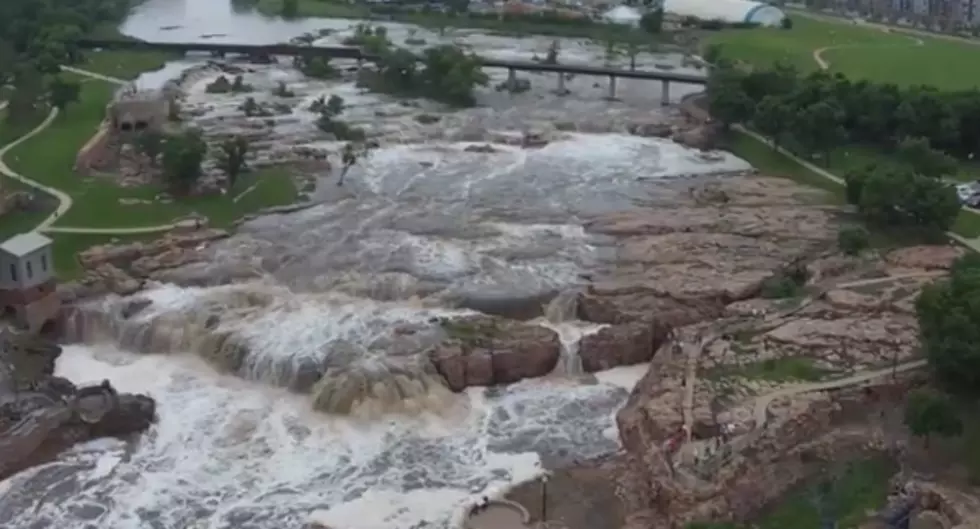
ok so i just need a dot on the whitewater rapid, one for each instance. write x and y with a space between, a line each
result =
228 453
428 220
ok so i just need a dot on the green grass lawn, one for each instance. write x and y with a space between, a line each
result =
124 64
764 47
50 156
785 369
868 53
18 222
857 489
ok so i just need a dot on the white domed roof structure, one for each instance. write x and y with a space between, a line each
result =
622 15
731 11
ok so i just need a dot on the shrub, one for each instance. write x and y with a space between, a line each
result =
852 240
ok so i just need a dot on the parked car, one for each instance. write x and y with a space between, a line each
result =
966 191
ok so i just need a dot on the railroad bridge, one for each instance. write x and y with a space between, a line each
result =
353 53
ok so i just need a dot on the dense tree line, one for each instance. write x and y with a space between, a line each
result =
826 109
36 37
920 129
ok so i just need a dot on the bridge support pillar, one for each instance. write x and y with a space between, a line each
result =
511 79
561 90
664 93
612 88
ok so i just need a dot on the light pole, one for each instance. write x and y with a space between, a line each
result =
544 498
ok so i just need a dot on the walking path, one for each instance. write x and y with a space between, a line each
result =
761 409
818 53
64 199
762 402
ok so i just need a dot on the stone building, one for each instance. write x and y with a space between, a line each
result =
138 110
28 294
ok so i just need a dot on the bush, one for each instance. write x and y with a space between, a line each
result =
852 240
787 23
929 412
780 287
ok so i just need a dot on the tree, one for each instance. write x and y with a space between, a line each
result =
712 54
896 197
61 93
727 100
611 50
919 155
632 50
182 157
929 412
27 97
773 118
290 8
232 158
819 127
652 21
150 144
949 327
335 105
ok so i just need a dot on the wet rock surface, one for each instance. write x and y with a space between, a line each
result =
482 351
42 414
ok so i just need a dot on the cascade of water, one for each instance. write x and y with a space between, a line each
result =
347 351
560 315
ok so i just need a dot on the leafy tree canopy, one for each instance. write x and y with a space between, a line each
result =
949 327
929 412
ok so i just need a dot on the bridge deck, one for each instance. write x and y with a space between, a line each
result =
346 52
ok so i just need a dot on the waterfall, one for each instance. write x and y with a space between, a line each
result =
348 353
561 316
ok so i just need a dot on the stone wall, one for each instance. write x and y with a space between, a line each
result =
96 153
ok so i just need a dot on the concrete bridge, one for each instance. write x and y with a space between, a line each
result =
265 51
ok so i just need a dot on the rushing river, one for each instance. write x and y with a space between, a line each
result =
423 223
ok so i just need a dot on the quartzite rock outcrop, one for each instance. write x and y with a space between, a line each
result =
483 351
42 414
682 258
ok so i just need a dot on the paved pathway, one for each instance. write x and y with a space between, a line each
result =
761 408
64 199
94 75
818 53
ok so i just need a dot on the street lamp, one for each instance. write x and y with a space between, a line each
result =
544 498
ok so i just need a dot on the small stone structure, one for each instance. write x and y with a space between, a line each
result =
27 284
138 110
133 111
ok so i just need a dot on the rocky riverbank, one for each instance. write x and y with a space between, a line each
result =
748 448
42 414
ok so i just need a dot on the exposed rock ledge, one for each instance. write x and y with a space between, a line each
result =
675 260
42 414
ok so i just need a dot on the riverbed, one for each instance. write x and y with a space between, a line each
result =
429 218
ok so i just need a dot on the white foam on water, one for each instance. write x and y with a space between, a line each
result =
625 377
227 453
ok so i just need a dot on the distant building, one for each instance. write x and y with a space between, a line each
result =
624 15
731 11
27 281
